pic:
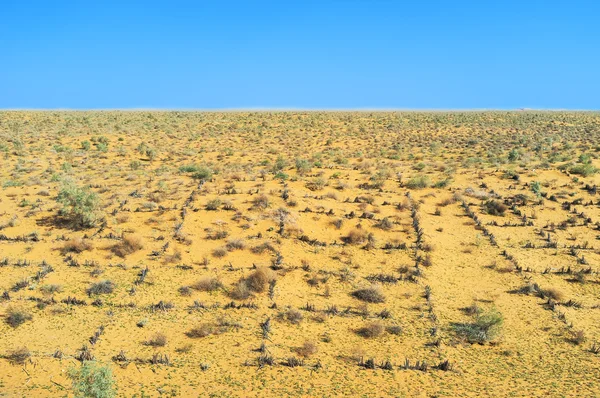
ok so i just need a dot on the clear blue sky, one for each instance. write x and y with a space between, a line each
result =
300 54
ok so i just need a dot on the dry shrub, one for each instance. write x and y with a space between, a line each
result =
235 244
202 330
386 224
256 282
103 287
130 244
260 202
578 337
240 291
371 330
157 340
219 252
15 317
259 279
552 293
356 236
18 356
308 349
207 284
173 258
259 249
122 218
372 294
77 245
292 315
495 208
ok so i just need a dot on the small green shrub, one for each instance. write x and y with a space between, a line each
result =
92 380
79 204
486 327
418 182
202 173
584 170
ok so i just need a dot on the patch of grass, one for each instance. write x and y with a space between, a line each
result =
128 245
15 317
371 294
18 356
103 287
371 330
157 340
486 327
77 245
418 182
207 284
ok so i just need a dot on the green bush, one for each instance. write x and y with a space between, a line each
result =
202 173
92 380
79 204
585 169
486 327
303 166
198 172
418 182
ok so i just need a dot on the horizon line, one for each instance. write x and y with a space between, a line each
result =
294 109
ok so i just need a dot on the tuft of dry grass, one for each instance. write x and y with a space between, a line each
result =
552 293
76 245
15 317
18 356
130 243
372 294
371 330
207 284
157 340
308 349
356 237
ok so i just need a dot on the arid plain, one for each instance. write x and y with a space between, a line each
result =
301 253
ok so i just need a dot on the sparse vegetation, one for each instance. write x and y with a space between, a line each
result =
180 245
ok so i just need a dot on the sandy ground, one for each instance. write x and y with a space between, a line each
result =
338 175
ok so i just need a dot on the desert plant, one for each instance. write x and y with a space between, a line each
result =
292 316
207 284
202 330
202 173
213 204
418 182
307 349
18 356
103 287
494 207
371 330
79 205
157 340
128 245
16 317
93 380
258 280
486 327
77 245
356 236
372 294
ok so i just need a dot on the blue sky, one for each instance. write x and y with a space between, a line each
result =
330 54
